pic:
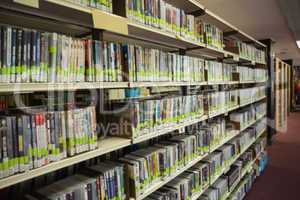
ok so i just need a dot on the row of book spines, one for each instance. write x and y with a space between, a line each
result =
140 186
172 169
93 184
102 4
203 37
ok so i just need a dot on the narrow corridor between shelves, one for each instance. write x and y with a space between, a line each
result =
281 179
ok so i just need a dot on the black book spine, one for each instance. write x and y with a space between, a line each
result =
27 70
10 149
9 55
38 56
1 151
34 141
89 191
33 51
21 142
57 125
19 56
14 56
1 55
4 53
25 140
24 56
15 141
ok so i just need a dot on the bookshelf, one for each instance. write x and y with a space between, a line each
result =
85 23
282 94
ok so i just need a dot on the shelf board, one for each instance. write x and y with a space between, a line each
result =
36 87
104 146
164 84
71 5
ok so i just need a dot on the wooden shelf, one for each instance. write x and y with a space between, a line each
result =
107 145
164 84
37 87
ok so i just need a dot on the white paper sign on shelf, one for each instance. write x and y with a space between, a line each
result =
110 22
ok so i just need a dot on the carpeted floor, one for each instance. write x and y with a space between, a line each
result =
281 180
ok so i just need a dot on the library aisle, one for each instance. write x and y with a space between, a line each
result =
282 177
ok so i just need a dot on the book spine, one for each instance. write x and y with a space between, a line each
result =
14 56
52 57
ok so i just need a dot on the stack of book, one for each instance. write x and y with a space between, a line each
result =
213 36
34 139
244 187
250 74
33 56
260 92
260 110
261 75
185 185
215 102
218 72
250 95
162 15
217 191
233 175
232 99
246 74
216 163
145 64
246 51
243 118
261 125
103 181
217 130
146 166
147 116
246 137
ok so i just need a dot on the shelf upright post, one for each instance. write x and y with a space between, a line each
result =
271 130
290 83
119 7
